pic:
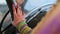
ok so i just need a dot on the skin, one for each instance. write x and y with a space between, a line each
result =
18 14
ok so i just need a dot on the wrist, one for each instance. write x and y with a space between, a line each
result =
22 25
16 23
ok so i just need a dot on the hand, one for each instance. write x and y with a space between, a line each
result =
18 15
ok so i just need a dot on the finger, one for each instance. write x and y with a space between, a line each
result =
23 13
19 11
14 10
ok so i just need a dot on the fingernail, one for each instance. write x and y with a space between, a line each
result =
12 5
19 6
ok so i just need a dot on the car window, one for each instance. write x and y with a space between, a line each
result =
36 3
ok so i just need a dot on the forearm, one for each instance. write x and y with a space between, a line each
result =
23 28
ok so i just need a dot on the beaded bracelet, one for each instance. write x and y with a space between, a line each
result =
21 24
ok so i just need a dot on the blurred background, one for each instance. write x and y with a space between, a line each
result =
29 7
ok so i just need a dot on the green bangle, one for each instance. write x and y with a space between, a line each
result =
21 24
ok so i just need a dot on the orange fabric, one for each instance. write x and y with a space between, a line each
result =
50 24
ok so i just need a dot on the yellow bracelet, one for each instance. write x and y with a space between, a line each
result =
25 30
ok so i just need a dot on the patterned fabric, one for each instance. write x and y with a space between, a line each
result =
23 28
